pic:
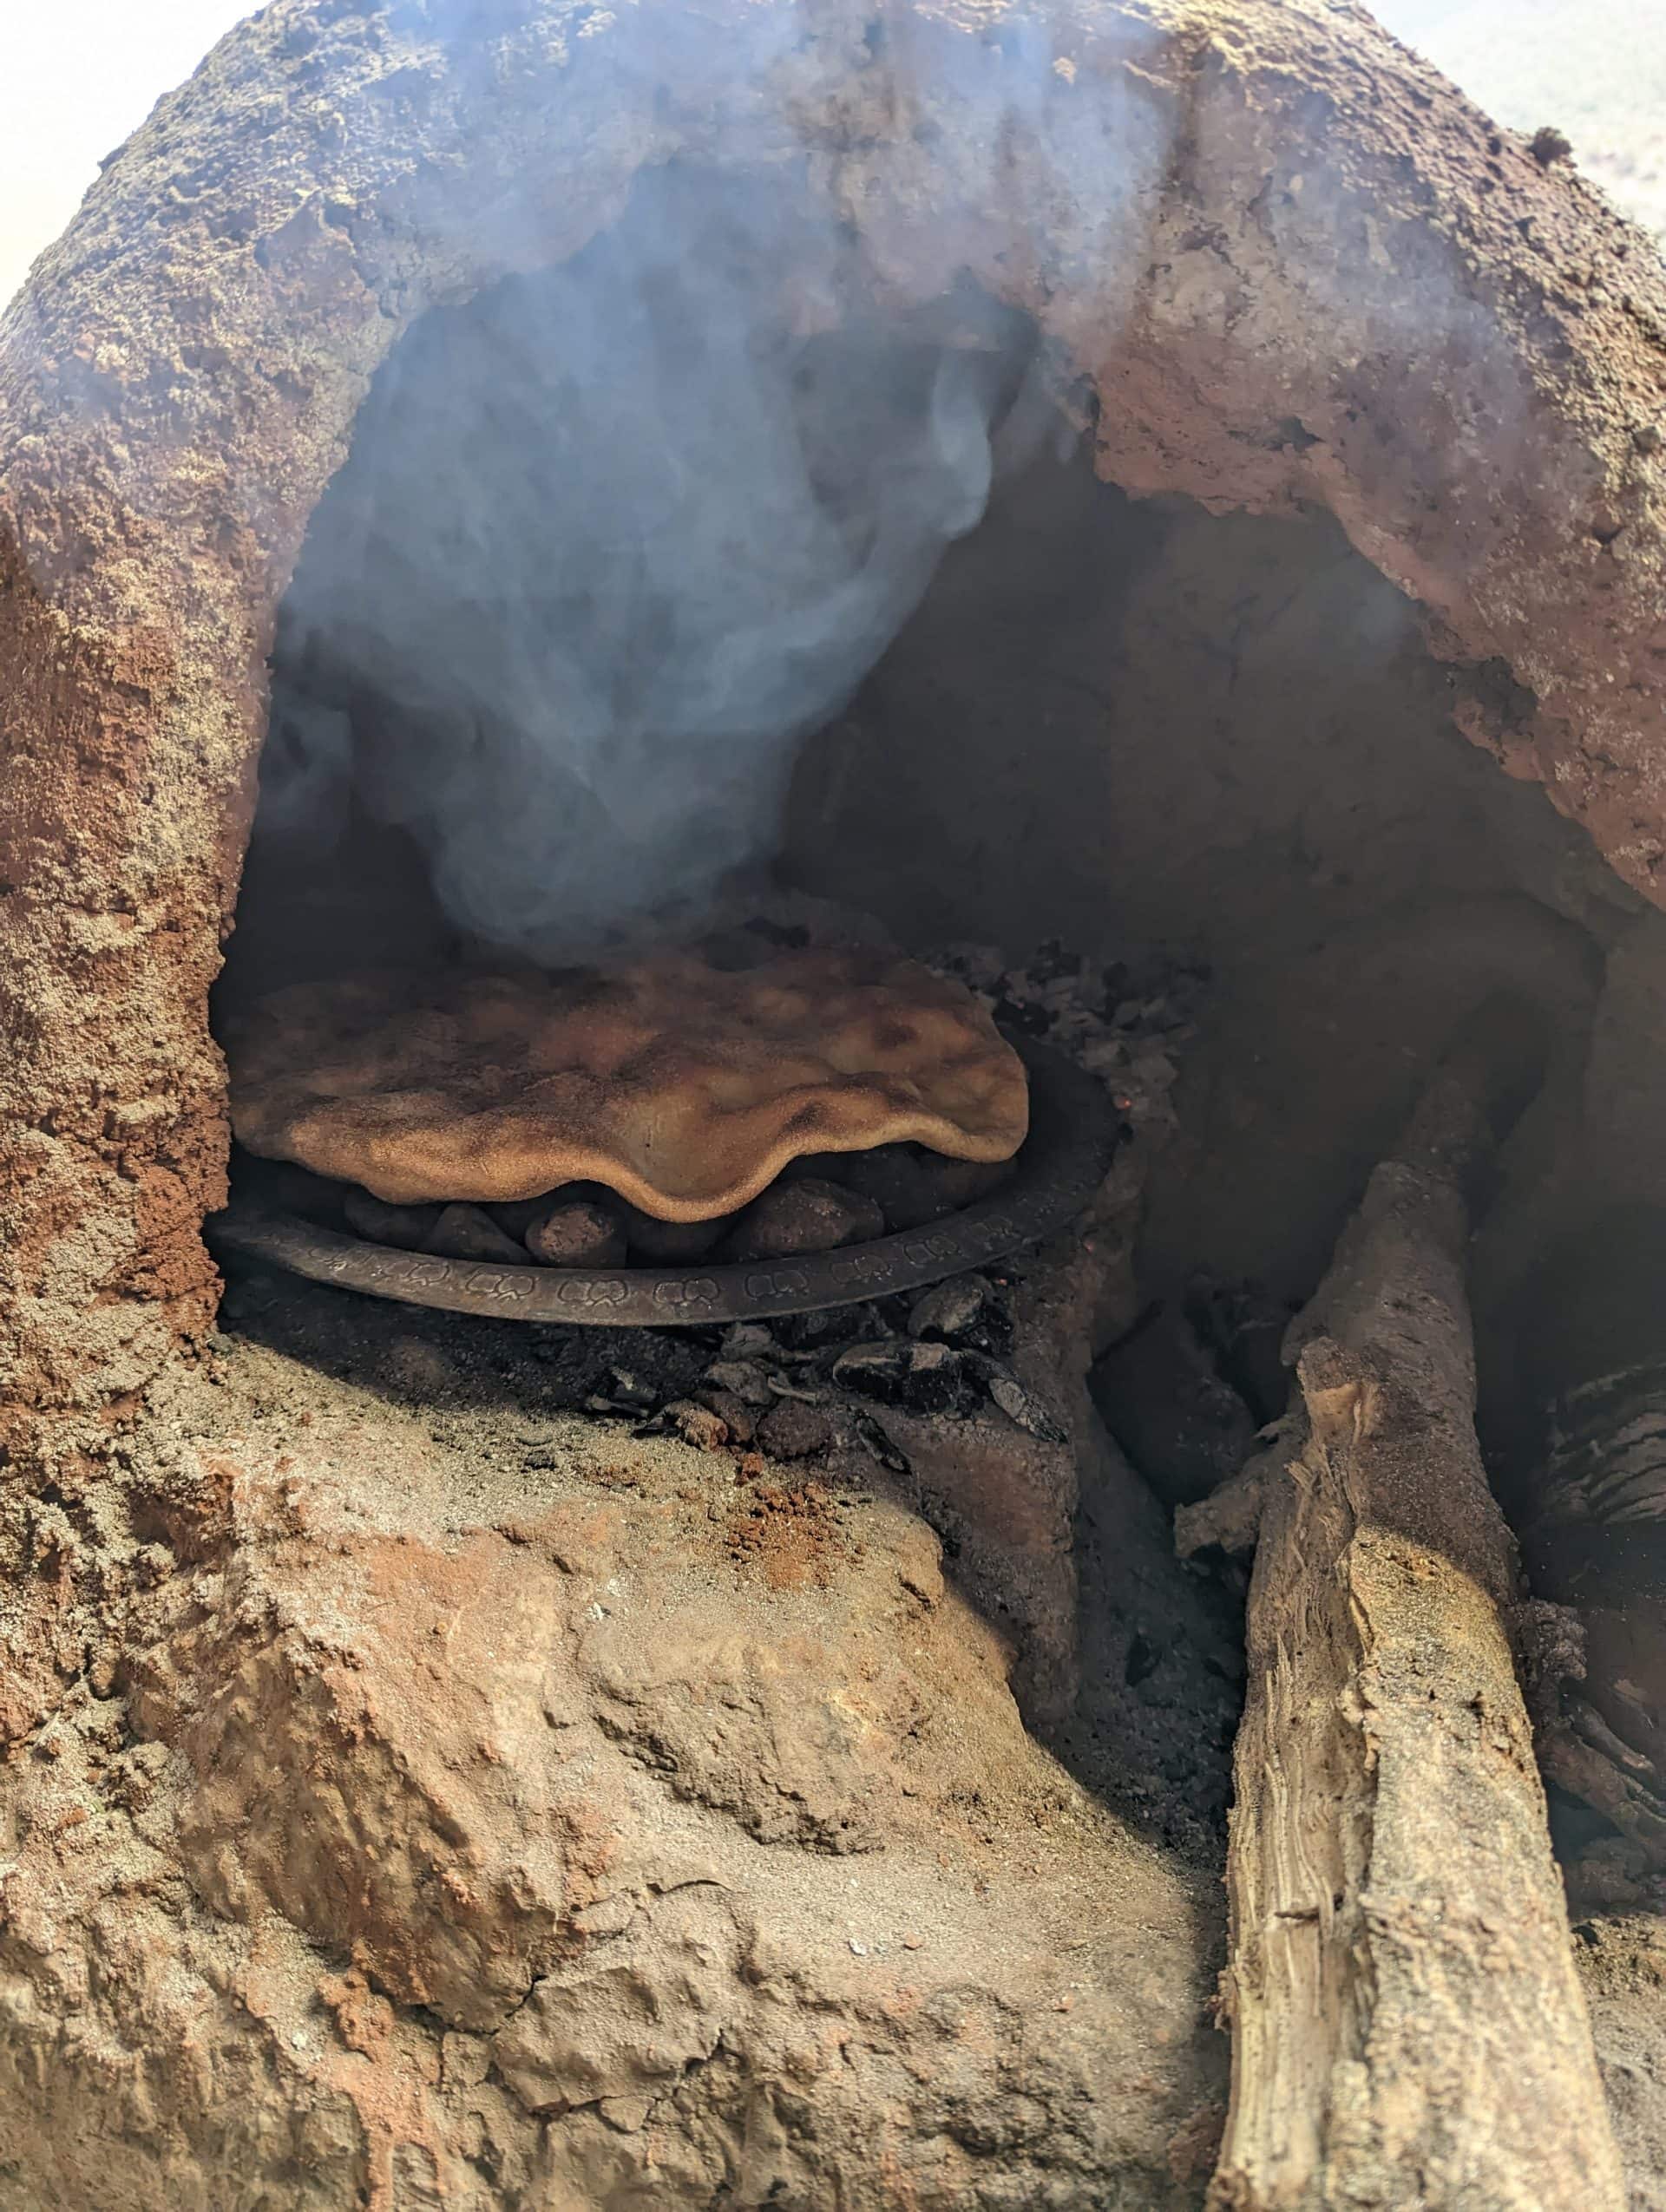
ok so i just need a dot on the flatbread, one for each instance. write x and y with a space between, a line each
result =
684 1088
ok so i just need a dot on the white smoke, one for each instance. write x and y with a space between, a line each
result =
612 538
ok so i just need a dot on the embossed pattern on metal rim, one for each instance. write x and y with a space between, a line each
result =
1074 1134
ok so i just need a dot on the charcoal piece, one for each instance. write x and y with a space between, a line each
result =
736 1416
992 1332
585 1364
407 1227
623 1394
835 1325
948 1311
918 1378
742 1378
913 1187
878 1443
576 1232
1114 979
793 1218
1020 1405
634 1393
469 1233
1184 1428
791 1430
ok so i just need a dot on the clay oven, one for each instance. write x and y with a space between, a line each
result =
1271 456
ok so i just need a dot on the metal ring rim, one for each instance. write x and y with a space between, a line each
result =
1073 1137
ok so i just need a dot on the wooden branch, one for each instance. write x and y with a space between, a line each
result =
1228 1519
1407 2028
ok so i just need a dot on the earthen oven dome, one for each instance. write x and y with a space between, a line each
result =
420 1789
1289 266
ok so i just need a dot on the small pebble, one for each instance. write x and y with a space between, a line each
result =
791 1430
515 1216
735 1414
1020 1406
698 1424
469 1233
790 1218
576 1234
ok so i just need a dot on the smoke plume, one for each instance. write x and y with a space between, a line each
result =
611 539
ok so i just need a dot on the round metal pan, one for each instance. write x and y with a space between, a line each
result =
1074 1134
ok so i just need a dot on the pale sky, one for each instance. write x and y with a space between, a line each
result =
78 76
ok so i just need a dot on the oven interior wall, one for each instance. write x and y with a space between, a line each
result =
1133 725
611 538
1128 725
1158 736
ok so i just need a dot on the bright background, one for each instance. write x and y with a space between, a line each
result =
78 76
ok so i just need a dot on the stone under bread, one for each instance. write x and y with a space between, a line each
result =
684 1088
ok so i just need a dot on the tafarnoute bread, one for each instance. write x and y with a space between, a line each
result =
684 1088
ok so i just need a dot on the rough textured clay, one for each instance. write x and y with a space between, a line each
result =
1291 265
408 1802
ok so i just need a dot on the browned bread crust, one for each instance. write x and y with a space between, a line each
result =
684 1088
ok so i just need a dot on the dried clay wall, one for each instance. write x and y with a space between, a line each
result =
1287 265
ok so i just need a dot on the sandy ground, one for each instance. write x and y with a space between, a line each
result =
1594 69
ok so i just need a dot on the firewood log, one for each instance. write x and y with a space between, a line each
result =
1408 2026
